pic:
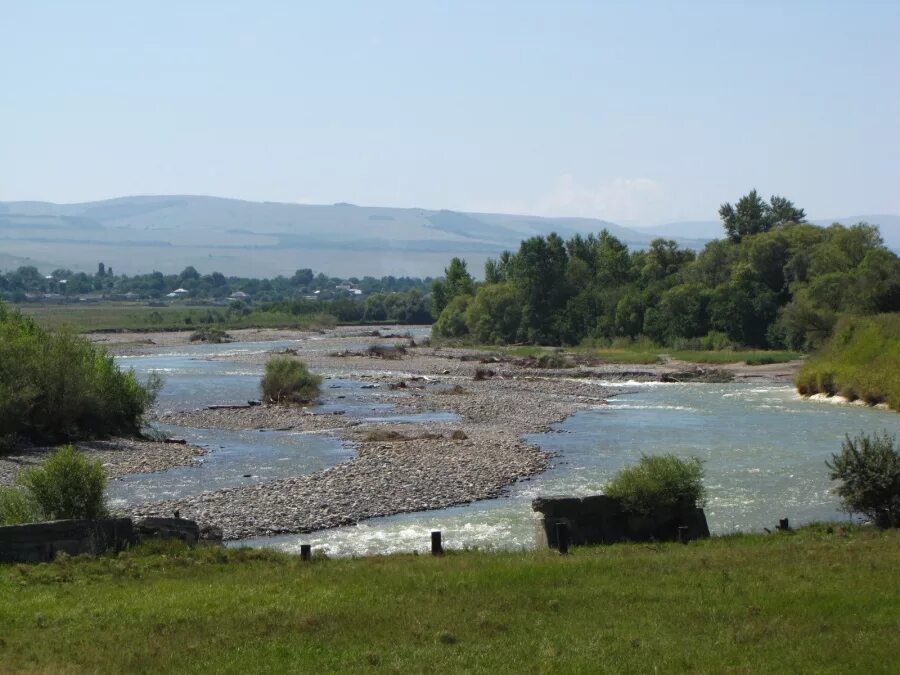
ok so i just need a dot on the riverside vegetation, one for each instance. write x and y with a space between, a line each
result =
57 387
775 282
67 485
861 361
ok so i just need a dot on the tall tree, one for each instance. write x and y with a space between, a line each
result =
752 215
456 282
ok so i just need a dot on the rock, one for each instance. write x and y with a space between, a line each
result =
600 519
41 542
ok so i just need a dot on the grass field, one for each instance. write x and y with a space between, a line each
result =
809 601
83 318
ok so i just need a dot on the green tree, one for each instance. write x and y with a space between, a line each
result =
494 315
539 272
456 282
753 215
452 321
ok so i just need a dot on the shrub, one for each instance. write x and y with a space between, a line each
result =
659 482
210 335
58 387
554 360
17 507
869 470
67 485
390 352
288 380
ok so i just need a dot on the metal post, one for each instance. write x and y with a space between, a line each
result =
436 547
305 551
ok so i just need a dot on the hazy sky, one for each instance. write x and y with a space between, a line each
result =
640 111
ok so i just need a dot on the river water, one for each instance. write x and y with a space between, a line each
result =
763 447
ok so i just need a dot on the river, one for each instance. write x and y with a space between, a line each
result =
764 451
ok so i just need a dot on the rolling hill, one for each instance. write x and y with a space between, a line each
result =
168 233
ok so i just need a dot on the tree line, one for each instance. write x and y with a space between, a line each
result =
774 281
18 285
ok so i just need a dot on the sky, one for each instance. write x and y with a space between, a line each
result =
634 112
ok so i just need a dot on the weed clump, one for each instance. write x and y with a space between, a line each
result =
210 335
288 380
389 352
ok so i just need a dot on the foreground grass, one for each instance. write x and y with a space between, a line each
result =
82 318
860 361
810 601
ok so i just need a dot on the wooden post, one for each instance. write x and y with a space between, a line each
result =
683 534
783 524
305 551
562 538
436 547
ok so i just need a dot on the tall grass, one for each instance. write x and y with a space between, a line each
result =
860 361
56 386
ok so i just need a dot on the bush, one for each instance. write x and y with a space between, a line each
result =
452 321
17 507
58 387
869 470
389 352
659 482
67 485
288 380
210 335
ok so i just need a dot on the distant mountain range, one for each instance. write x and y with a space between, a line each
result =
168 233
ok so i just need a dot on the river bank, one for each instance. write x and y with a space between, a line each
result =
119 457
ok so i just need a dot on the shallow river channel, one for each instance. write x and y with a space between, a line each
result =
764 450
